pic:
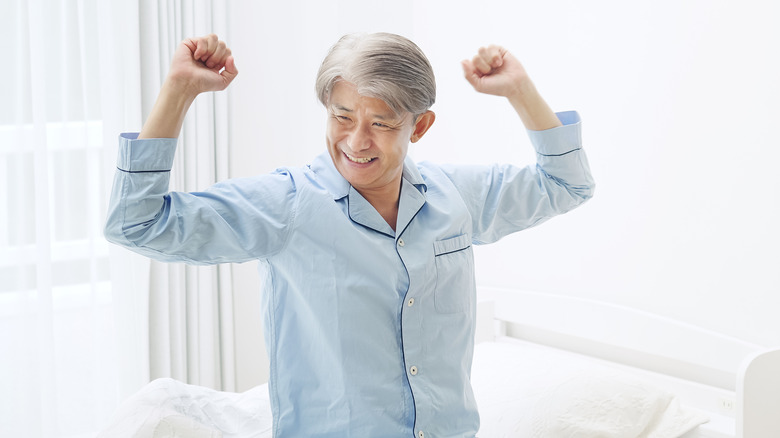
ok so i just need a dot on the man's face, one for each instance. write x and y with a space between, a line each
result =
367 140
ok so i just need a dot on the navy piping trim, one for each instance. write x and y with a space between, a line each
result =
142 171
454 250
560 155
349 213
403 352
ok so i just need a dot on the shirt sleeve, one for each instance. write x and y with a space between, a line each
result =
503 199
232 221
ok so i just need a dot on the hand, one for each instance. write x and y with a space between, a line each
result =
493 70
198 64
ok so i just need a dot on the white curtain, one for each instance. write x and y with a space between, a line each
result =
83 324
60 369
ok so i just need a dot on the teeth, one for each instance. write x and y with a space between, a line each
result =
358 160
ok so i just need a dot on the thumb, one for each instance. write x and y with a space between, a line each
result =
470 73
230 71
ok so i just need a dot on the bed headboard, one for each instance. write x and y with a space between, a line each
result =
620 334
758 394
640 339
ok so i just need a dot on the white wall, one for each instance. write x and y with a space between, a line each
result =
679 107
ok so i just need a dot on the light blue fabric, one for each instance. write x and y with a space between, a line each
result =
369 331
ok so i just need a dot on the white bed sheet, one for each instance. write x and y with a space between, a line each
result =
166 408
512 384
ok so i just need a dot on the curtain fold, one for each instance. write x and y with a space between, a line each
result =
119 48
191 323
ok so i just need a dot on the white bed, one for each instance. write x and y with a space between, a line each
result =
545 366
735 384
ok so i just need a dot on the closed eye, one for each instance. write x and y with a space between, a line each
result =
385 127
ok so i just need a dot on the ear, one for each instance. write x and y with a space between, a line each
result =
421 125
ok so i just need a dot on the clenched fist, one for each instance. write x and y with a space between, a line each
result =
493 70
202 64
198 65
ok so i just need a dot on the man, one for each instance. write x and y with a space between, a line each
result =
369 293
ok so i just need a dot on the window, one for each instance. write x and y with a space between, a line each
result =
58 372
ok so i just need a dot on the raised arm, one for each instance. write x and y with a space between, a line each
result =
493 70
199 65
232 221
506 198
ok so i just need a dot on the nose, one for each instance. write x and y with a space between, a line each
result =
358 139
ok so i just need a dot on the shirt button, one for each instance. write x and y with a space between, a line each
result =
421 434
413 370
401 242
410 302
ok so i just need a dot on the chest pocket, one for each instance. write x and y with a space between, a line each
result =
454 274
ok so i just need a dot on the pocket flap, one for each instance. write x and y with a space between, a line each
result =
453 244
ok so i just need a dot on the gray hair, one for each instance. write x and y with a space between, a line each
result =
382 65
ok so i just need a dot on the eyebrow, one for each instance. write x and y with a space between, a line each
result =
378 116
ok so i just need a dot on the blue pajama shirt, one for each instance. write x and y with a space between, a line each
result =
369 331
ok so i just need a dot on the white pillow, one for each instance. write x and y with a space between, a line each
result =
537 392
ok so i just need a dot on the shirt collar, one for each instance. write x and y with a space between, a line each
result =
339 187
412 174
329 176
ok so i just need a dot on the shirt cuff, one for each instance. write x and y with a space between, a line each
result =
145 155
559 140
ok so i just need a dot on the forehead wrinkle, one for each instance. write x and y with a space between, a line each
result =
341 107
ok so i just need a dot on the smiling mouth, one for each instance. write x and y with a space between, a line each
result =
359 160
